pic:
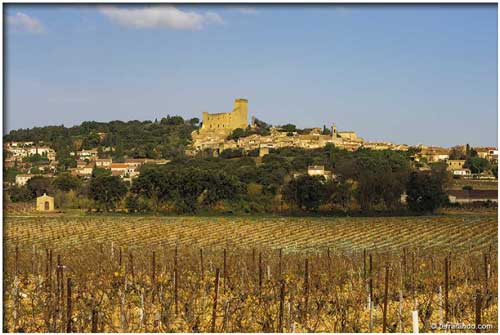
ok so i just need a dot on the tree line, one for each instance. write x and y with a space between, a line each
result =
364 181
165 138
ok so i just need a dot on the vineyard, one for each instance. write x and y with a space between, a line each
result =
249 274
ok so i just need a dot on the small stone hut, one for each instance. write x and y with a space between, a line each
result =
45 203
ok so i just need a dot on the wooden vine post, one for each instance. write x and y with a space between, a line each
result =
486 274
59 277
176 282
329 260
386 292
253 260
306 288
120 258
478 309
17 261
446 283
364 265
282 307
260 273
370 280
153 276
224 271
216 295
280 264
202 268
94 320
69 307
131 261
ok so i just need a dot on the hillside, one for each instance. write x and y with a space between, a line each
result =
166 138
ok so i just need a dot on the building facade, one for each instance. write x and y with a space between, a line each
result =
227 122
45 203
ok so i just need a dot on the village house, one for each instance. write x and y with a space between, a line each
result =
135 163
9 162
90 154
20 144
461 172
53 166
319 170
350 135
492 154
22 179
42 151
455 164
80 164
17 152
433 154
263 150
83 169
156 161
103 163
377 145
124 171
120 169
482 152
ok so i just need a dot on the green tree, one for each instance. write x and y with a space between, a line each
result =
66 182
288 128
231 153
425 192
10 173
20 194
107 191
194 121
326 131
90 141
172 120
456 153
221 186
340 193
237 133
189 184
153 184
477 165
306 192
100 172
134 204
100 153
39 185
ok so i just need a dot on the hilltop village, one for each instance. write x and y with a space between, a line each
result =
230 131
215 135
181 165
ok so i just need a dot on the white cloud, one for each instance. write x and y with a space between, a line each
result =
24 22
164 16
247 10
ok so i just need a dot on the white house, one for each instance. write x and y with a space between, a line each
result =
319 170
22 179
461 172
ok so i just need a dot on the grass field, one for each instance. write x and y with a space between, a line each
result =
311 274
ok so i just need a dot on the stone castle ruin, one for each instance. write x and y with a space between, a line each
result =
227 122
216 128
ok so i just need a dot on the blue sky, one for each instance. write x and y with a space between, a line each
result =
403 73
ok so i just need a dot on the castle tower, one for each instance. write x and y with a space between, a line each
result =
334 130
240 114
227 122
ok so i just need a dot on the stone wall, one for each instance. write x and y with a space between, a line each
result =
227 122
